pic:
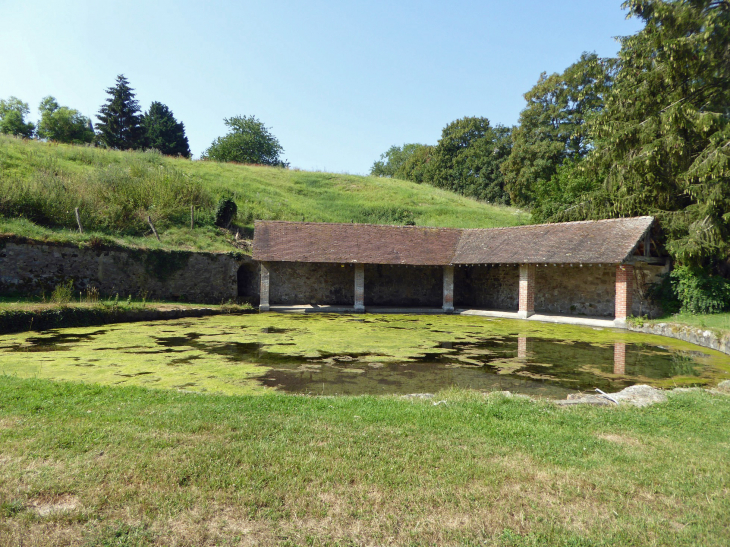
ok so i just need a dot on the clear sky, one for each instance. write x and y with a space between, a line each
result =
337 82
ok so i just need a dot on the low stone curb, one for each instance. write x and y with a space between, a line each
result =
701 337
13 322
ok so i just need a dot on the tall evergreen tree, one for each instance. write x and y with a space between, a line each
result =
663 138
119 120
163 132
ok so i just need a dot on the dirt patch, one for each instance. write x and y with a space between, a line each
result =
621 439
60 504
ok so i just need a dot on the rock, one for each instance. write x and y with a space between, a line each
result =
640 395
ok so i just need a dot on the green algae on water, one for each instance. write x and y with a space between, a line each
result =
355 354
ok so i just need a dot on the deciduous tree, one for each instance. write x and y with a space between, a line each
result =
12 118
63 124
248 141
552 127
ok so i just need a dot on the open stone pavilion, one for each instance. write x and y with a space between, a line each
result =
588 272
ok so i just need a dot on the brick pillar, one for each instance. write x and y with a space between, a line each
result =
448 289
527 291
624 293
619 358
264 292
359 287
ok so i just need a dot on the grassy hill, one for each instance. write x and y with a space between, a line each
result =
42 183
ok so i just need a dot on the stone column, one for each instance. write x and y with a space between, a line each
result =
624 293
264 299
448 289
527 291
359 287
619 358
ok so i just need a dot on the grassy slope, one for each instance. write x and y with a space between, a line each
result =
125 466
261 193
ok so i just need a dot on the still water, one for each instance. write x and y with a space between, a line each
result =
345 355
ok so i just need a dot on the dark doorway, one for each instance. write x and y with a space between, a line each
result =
247 281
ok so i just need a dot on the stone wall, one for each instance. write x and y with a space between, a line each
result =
32 268
590 290
487 287
407 286
308 283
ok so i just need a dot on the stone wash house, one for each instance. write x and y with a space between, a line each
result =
591 268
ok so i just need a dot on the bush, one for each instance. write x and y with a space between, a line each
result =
700 292
225 212
63 293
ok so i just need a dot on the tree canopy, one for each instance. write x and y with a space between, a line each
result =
12 118
551 127
392 162
63 124
248 141
163 132
119 120
663 139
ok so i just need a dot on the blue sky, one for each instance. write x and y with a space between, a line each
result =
336 82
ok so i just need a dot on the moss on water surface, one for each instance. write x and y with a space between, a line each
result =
353 354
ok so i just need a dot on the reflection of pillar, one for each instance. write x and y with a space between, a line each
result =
619 358
448 289
359 287
264 292
527 291
624 292
522 347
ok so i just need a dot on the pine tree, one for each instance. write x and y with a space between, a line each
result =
119 119
163 132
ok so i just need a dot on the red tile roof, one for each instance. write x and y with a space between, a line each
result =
591 242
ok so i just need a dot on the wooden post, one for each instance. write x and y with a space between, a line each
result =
192 217
78 221
149 221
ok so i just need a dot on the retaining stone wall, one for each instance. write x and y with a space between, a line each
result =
33 268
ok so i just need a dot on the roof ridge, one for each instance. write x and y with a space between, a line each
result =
315 223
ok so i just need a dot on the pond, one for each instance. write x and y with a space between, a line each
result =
359 354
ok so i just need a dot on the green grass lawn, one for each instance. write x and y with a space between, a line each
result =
42 183
91 465
714 321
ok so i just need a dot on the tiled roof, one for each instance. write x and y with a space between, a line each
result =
591 242
276 241
608 241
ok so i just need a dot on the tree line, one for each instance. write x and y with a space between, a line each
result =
123 126
645 133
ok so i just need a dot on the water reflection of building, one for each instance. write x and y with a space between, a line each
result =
522 347
619 358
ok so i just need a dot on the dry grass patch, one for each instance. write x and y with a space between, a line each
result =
621 439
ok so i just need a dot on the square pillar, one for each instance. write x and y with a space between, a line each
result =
264 291
448 289
359 287
624 293
527 291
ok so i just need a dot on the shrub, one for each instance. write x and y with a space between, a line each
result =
699 291
225 212
63 293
